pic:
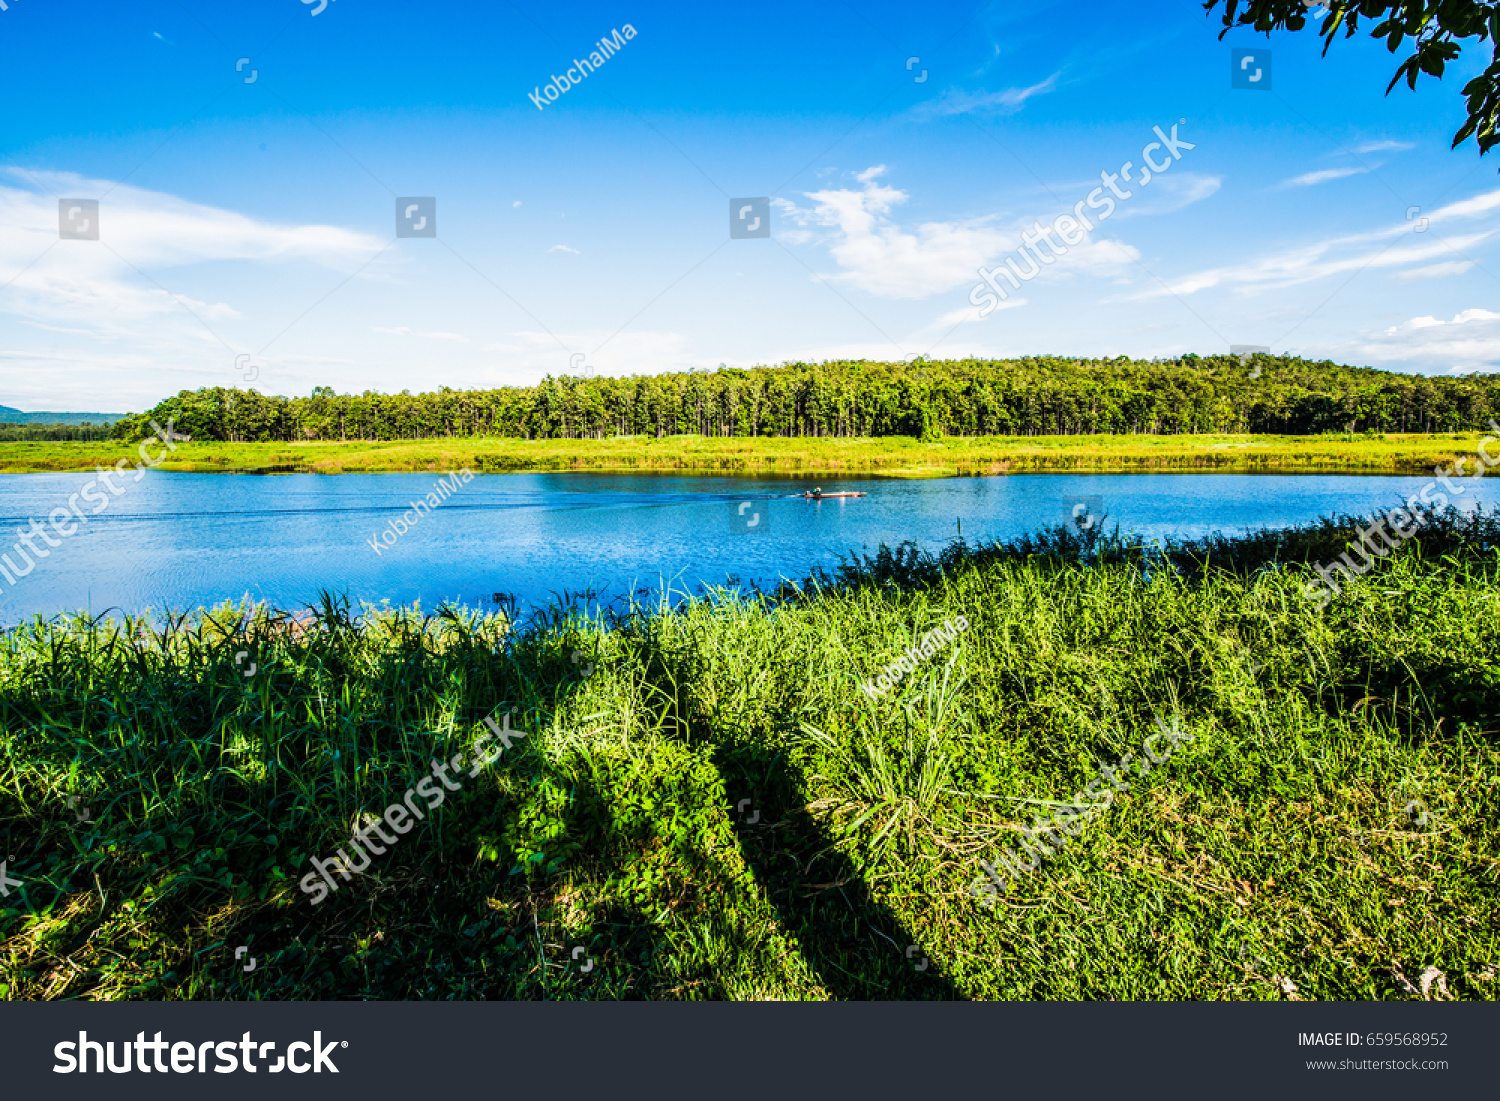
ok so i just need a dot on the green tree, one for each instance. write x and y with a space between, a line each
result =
1435 28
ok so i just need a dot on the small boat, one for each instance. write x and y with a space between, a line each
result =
825 496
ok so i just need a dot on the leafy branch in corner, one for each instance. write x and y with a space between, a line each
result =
1435 28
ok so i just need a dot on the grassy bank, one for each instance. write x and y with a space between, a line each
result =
899 456
707 806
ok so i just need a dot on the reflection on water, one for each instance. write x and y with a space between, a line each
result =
182 540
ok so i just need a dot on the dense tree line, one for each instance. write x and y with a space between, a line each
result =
85 432
1041 395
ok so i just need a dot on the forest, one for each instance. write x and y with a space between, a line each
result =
29 432
927 399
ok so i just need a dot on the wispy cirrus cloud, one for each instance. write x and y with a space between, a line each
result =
956 101
1383 146
966 315
1375 249
1434 271
1172 193
106 287
1323 176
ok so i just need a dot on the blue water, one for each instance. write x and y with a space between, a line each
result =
178 541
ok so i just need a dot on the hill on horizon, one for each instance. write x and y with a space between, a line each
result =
9 415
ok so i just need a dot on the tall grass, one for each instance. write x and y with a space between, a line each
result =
710 807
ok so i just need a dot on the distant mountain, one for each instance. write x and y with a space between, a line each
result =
15 416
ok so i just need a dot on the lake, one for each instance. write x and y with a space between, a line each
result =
178 541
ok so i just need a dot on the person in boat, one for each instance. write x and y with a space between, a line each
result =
817 492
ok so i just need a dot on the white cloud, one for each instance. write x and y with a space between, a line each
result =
1170 193
153 229
1469 208
1475 315
1323 176
1383 146
882 258
563 248
967 315
1469 342
1434 271
1347 254
109 287
956 101
107 323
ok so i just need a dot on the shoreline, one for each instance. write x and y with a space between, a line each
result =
825 457
644 767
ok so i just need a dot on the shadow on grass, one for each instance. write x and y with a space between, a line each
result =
854 944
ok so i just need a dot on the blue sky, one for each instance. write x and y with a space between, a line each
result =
258 219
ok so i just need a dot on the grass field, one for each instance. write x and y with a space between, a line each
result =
898 456
706 805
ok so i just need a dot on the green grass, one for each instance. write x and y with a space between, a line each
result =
897 456
1271 856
